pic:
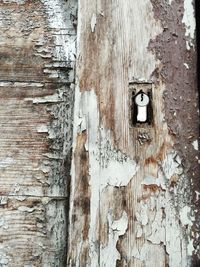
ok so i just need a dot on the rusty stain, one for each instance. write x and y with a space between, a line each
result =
181 86
150 160
173 180
82 189
151 187
159 156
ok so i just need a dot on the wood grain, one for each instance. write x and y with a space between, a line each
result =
37 54
139 210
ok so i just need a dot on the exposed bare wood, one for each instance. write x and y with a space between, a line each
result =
36 95
131 192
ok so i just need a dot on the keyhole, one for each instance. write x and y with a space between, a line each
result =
141 107
141 113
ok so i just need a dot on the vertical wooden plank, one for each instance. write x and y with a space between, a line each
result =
37 54
131 194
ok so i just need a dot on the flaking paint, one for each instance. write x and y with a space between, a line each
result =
36 95
155 191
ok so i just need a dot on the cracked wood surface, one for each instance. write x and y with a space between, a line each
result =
132 200
37 54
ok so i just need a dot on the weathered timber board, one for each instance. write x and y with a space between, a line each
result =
37 55
134 190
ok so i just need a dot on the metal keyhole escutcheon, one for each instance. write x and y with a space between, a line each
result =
142 101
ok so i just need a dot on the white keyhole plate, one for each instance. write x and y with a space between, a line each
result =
142 100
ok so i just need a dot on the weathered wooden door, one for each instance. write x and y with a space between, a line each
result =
134 189
37 47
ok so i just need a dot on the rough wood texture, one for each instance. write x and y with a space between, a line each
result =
37 53
132 191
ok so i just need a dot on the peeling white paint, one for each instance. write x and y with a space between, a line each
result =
195 145
139 231
186 65
6 162
189 21
107 166
109 253
26 209
81 124
144 255
171 166
45 168
4 259
55 11
157 229
3 200
190 247
20 2
65 35
162 227
118 173
86 104
43 128
197 195
21 198
142 214
89 106
117 169
2 221
46 200
50 98
93 22
21 84
161 222
120 225
185 216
